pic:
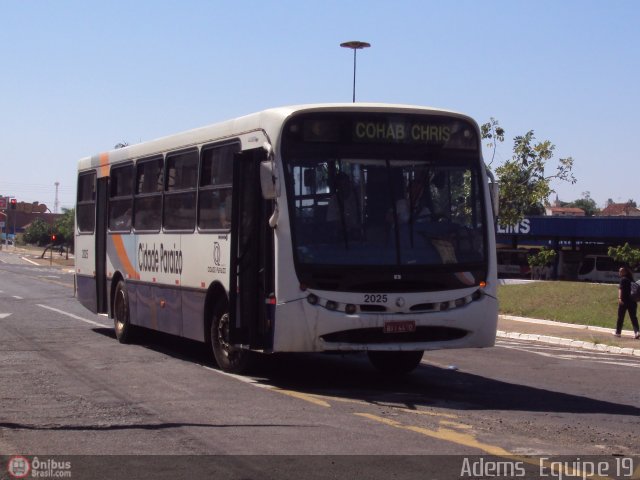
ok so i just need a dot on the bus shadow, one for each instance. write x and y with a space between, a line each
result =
351 376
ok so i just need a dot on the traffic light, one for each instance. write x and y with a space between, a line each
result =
13 203
53 237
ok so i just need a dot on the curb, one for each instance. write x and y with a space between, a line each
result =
626 333
567 342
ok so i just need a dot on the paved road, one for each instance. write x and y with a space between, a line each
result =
67 387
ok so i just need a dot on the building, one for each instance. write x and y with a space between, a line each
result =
620 210
18 220
564 212
571 237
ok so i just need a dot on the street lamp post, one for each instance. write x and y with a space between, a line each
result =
355 45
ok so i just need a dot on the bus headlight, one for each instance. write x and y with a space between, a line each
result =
331 305
312 299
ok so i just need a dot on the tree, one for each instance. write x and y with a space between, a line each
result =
64 226
625 254
494 132
38 232
539 261
524 184
586 203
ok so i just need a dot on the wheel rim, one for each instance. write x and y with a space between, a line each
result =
120 310
222 335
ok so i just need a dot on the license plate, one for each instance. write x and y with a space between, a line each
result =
406 326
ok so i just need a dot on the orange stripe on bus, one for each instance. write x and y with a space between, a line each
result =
121 252
104 165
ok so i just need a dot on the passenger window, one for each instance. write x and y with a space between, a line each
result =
180 191
121 198
86 202
216 176
148 195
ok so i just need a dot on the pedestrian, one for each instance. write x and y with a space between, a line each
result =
626 303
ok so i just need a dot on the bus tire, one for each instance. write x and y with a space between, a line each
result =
125 332
395 362
230 359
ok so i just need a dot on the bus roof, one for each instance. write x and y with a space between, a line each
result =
269 121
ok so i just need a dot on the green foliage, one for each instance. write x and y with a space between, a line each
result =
38 232
541 259
494 132
589 206
570 302
64 226
625 254
524 184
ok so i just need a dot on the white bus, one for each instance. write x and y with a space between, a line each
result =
337 227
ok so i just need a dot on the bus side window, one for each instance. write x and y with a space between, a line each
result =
121 198
180 191
148 195
86 202
214 199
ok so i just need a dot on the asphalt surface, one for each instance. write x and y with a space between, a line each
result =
70 389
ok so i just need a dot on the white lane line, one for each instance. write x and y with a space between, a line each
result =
582 356
4 315
30 261
17 297
90 322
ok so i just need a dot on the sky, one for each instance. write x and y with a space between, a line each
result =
78 77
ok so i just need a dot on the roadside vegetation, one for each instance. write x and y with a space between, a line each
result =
571 302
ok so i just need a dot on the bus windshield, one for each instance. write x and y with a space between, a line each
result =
382 201
386 211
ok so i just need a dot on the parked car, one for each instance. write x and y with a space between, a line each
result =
513 263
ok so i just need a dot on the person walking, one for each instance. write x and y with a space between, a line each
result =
626 303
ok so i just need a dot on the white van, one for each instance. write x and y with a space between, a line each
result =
598 268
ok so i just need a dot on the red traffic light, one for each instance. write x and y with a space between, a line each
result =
13 202
53 237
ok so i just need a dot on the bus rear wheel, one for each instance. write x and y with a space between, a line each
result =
125 332
395 362
229 358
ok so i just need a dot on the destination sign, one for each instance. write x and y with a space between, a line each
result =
348 128
421 132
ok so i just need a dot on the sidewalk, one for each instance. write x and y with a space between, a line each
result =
567 334
33 255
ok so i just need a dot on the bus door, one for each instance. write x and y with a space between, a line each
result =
102 303
251 257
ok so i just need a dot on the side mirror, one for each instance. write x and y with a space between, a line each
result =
268 180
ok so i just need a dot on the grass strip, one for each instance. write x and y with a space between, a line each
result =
571 302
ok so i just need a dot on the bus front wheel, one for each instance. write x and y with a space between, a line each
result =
229 358
122 324
395 362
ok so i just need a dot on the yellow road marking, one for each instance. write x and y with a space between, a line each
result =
446 434
461 426
48 280
469 440
303 396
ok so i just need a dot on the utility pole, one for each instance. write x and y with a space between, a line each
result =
55 203
355 45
